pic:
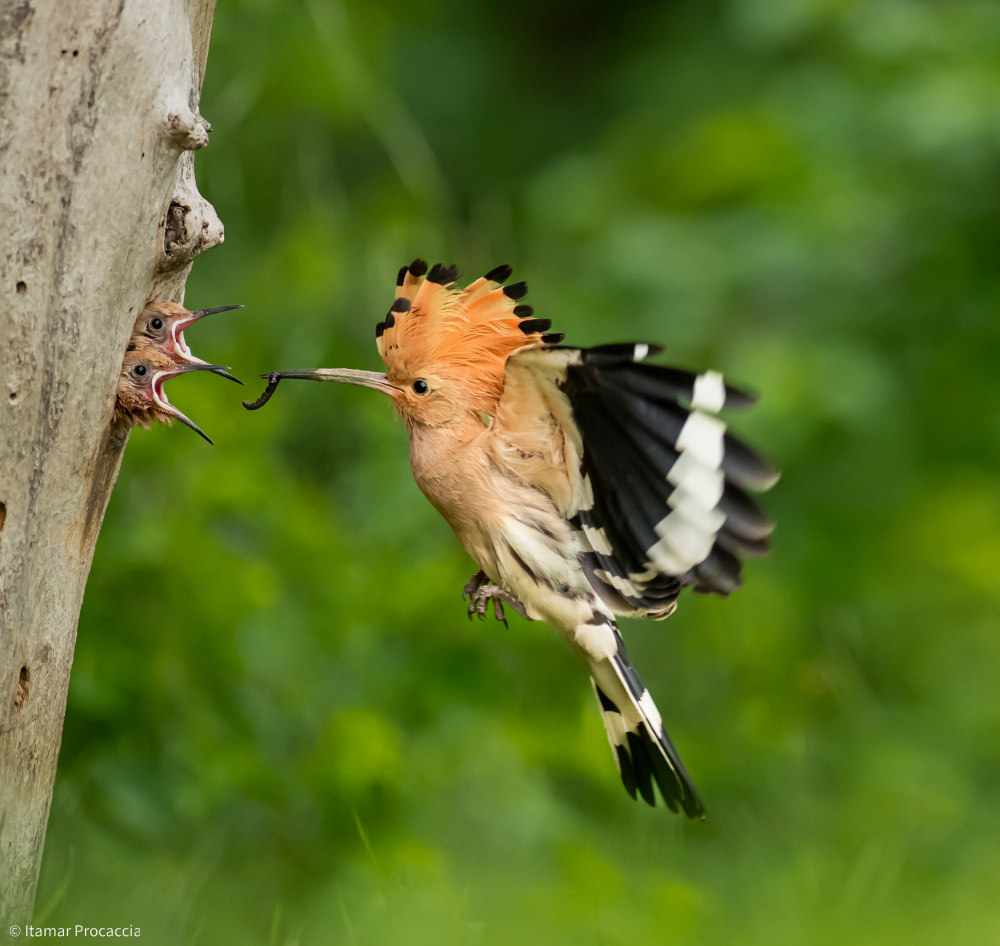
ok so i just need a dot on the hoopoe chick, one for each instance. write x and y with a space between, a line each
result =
601 486
141 398
161 325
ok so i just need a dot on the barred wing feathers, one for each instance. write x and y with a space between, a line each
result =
655 484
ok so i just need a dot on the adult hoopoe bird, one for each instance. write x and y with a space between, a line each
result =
585 483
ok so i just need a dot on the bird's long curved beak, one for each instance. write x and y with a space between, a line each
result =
366 379
181 347
160 396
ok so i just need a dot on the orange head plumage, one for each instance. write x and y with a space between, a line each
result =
445 349
455 341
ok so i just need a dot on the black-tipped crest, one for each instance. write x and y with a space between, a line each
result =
553 338
530 326
442 275
516 290
500 274
400 276
471 330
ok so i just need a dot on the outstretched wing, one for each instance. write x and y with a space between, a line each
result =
650 478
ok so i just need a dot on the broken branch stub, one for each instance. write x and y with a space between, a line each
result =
190 226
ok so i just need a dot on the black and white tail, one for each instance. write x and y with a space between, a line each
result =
642 748
659 500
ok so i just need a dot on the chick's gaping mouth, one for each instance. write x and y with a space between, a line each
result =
159 395
179 344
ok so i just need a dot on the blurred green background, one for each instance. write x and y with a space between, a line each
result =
281 727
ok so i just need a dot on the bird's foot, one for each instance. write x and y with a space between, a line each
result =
481 592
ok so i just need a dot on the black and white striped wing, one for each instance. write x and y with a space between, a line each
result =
659 486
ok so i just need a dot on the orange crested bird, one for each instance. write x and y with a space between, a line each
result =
585 483
161 325
140 397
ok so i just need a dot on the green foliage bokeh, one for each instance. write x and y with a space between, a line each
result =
281 727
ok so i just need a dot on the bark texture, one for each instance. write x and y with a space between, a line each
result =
98 120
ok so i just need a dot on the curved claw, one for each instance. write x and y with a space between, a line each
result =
473 585
498 612
481 591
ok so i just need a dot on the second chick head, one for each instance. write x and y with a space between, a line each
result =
161 325
141 397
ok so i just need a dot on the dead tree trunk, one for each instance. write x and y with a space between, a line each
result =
98 121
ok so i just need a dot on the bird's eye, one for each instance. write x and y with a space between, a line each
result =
420 386
157 323
139 370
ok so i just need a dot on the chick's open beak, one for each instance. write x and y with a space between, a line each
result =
181 347
160 396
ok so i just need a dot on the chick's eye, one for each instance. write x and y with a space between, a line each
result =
420 386
139 370
157 323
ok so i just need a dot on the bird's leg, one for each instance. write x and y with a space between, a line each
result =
480 592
